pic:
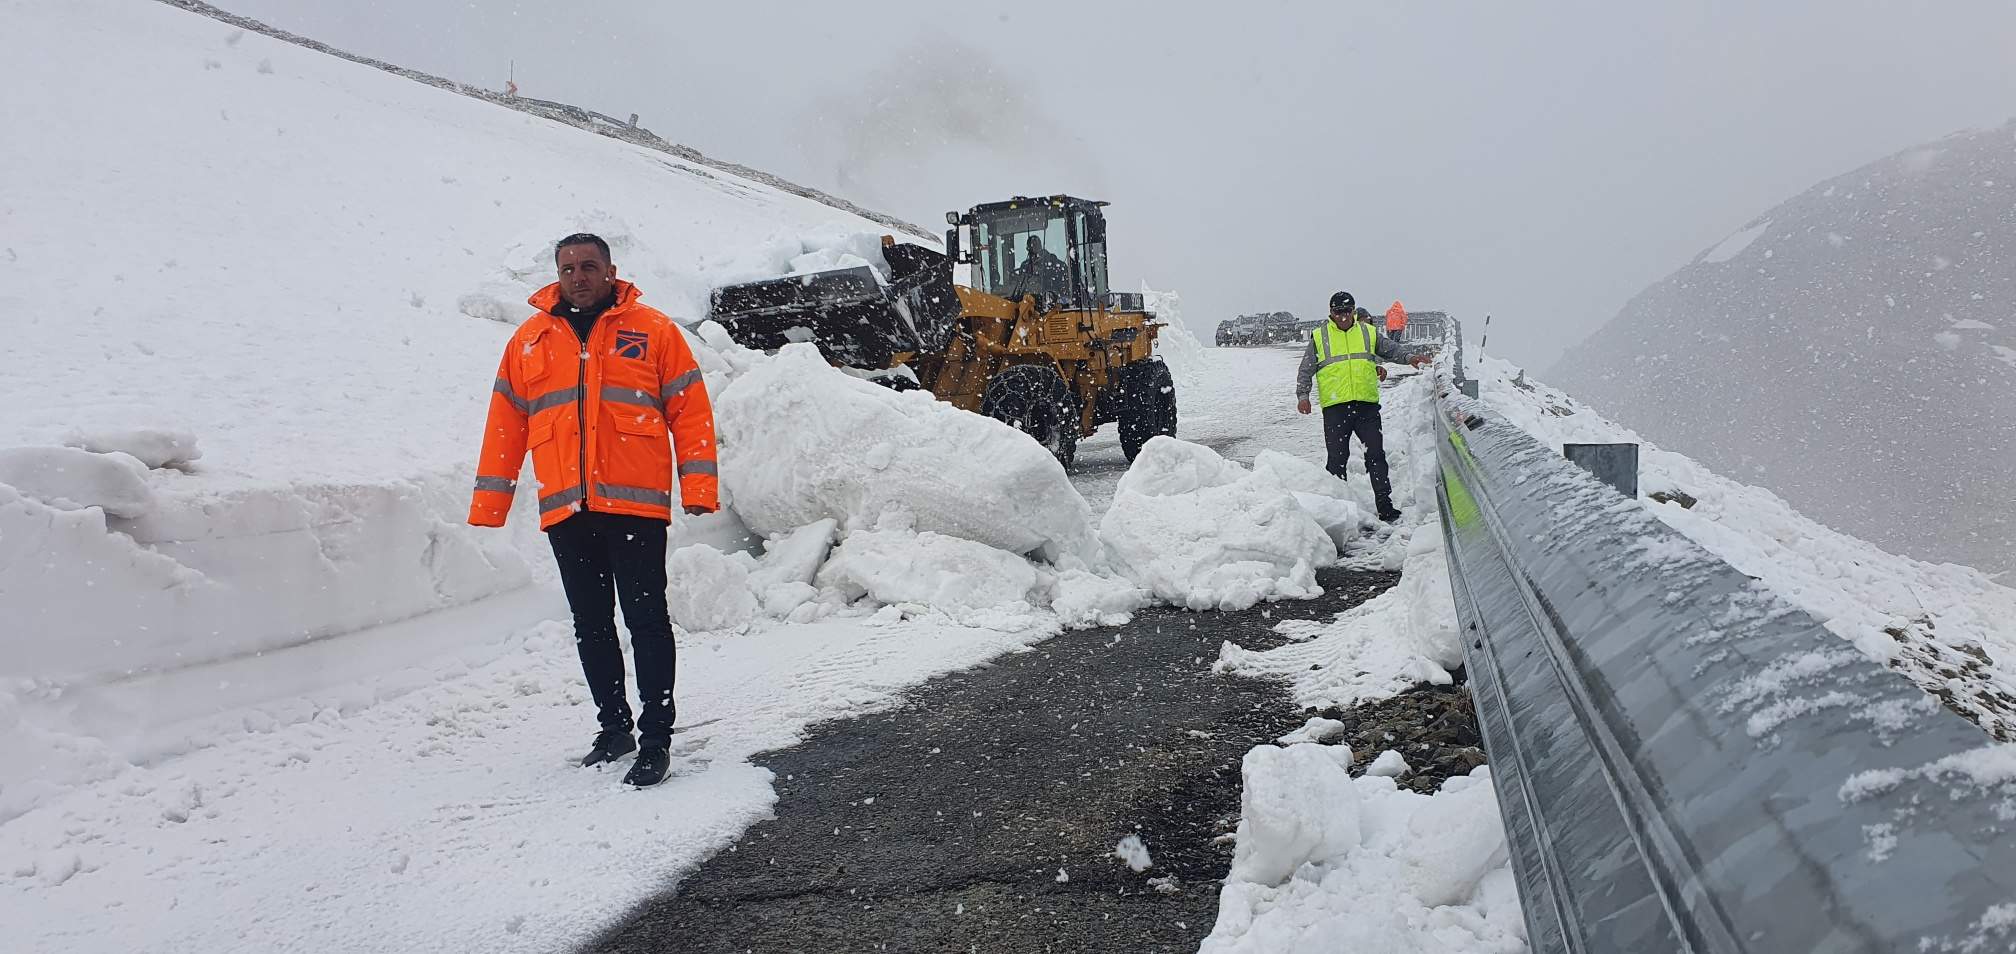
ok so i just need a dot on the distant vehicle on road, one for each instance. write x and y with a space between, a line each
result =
1260 328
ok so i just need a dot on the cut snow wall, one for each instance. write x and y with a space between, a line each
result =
217 576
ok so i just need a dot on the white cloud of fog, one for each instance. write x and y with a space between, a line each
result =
941 126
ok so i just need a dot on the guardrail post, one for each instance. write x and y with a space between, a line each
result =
1616 465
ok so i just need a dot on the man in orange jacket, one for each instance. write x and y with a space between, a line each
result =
604 393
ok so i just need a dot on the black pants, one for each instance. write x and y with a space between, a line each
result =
602 556
1340 422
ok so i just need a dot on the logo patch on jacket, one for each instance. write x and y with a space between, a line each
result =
632 344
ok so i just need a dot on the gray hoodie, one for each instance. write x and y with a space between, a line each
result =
1382 347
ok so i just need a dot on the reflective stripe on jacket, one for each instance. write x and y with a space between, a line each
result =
603 419
1346 363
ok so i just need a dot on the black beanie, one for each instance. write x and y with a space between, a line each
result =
1344 301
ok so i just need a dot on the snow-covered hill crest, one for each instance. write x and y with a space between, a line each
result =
1854 349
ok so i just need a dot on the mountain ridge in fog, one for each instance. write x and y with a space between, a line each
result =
1853 349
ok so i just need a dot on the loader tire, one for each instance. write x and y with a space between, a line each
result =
1147 404
1033 399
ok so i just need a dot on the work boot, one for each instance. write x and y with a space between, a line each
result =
649 769
1389 515
610 745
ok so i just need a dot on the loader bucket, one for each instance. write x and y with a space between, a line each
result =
854 319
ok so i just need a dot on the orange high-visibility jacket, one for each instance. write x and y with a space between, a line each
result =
596 417
1396 317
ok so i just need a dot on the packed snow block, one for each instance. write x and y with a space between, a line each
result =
794 557
1341 520
802 442
1301 476
784 578
1083 599
70 479
929 569
1317 730
708 590
1201 533
1167 467
1342 509
1453 840
1389 764
1297 807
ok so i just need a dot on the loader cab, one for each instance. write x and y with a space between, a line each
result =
1054 247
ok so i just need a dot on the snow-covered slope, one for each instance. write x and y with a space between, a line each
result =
1948 628
1854 349
306 266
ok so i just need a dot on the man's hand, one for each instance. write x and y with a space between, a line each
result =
695 510
1419 360
1302 405
1381 369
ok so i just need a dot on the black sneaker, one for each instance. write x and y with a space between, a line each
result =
1389 515
652 762
610 745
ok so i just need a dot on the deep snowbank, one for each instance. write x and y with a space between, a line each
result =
1949 628
801 442
1202 532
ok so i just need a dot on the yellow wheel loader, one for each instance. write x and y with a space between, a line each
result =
1036 339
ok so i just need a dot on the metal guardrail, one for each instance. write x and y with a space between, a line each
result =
1673 745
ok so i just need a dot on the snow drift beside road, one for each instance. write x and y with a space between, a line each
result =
1334 863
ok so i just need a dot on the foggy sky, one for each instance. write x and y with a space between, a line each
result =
1539 162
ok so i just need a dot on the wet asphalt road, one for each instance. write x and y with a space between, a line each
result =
981 816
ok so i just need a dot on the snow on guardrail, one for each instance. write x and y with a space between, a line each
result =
1692 763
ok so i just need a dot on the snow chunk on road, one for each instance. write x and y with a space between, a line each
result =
710 589
1134 853
70 479
1301 476
1342 520
1297 808
1317 729
958 577
783 579
1202 533
1390 764
794 557
1167 467
1083 599
1374 867
801 442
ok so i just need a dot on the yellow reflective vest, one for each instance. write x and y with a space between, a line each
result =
1346 364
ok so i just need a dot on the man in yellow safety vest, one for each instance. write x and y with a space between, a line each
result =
1342 367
